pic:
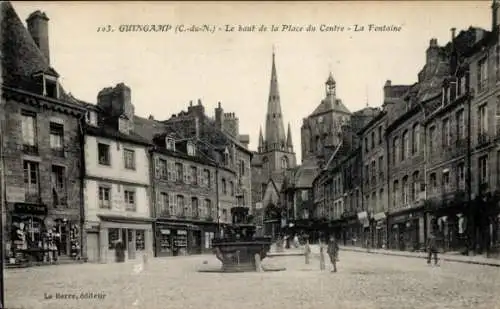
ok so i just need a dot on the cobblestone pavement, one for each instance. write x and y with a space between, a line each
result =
363 281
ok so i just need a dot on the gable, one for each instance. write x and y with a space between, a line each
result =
271 195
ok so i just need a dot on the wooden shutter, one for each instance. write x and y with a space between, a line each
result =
170 171
200 178
157 167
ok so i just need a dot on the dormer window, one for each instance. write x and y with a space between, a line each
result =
91 118
190 149
170 143
48 81
226 157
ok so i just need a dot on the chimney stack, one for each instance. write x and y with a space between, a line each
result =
453 31
38 27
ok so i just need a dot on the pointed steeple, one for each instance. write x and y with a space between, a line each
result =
261 140
289 143
275 130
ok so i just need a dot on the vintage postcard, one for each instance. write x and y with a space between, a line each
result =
176 154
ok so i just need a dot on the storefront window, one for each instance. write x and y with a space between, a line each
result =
139 240
208 239
165 243
113 237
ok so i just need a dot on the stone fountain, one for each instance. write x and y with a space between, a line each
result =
238 245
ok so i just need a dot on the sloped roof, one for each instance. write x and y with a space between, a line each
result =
327 106
305 173
21 57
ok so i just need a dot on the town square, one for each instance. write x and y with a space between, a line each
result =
184 154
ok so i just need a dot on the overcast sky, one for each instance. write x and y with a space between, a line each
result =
167 70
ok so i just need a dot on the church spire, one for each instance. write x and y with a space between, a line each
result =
289 142
275 130
261 141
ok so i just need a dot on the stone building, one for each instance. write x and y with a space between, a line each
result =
374 184
40 138
118 205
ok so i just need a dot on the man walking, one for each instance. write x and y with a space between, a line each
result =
333 252
432 249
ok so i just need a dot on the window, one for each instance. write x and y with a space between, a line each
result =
57 139
405 151
482 118
163 169
104 197
129 198
446 132
194 207
380 167
103 154
113 237
231 188
446 181
366 144
461 176
406 191
395 149
395 195
129 158
373 139
225 215
415 138
284 163
433 182
460 124
463 85
432 137
179 169
194 175
51 90
497 61
367 173
28 126
224 186
139 240
242 168
416 186
170 144
381 200
180 206
190 149
31 178
208 209
380 133
304 195
165 205
206 178
58 185
374 171
482 74
483 170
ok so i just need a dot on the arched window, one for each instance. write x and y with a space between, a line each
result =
406 188
395 149
405 147
265 164
284 163
395 195
416 186
224 186
415 139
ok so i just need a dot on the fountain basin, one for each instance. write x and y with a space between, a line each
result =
238 255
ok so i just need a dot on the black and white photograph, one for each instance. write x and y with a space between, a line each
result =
250 154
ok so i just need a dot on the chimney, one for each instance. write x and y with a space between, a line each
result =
219 114
38 27
494 15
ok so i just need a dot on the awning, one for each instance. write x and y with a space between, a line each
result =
362 216
379 216
177 226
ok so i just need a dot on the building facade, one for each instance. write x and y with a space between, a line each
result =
374 154
40 150
117 180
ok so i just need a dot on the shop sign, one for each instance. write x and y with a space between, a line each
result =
181 232
35 209
165 231
15 194
379 216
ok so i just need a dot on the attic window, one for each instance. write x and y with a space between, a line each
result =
51 89
170 143
190 149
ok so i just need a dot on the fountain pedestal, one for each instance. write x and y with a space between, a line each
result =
237 247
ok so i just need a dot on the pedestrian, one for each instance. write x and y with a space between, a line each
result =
333 252
432 249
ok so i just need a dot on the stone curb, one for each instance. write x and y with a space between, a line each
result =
442 258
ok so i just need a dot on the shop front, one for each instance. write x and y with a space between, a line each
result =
177 239
350 230
406 230
36 235
114 234
380 230
365 232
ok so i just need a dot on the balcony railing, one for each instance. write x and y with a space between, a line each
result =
483 139
57 152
